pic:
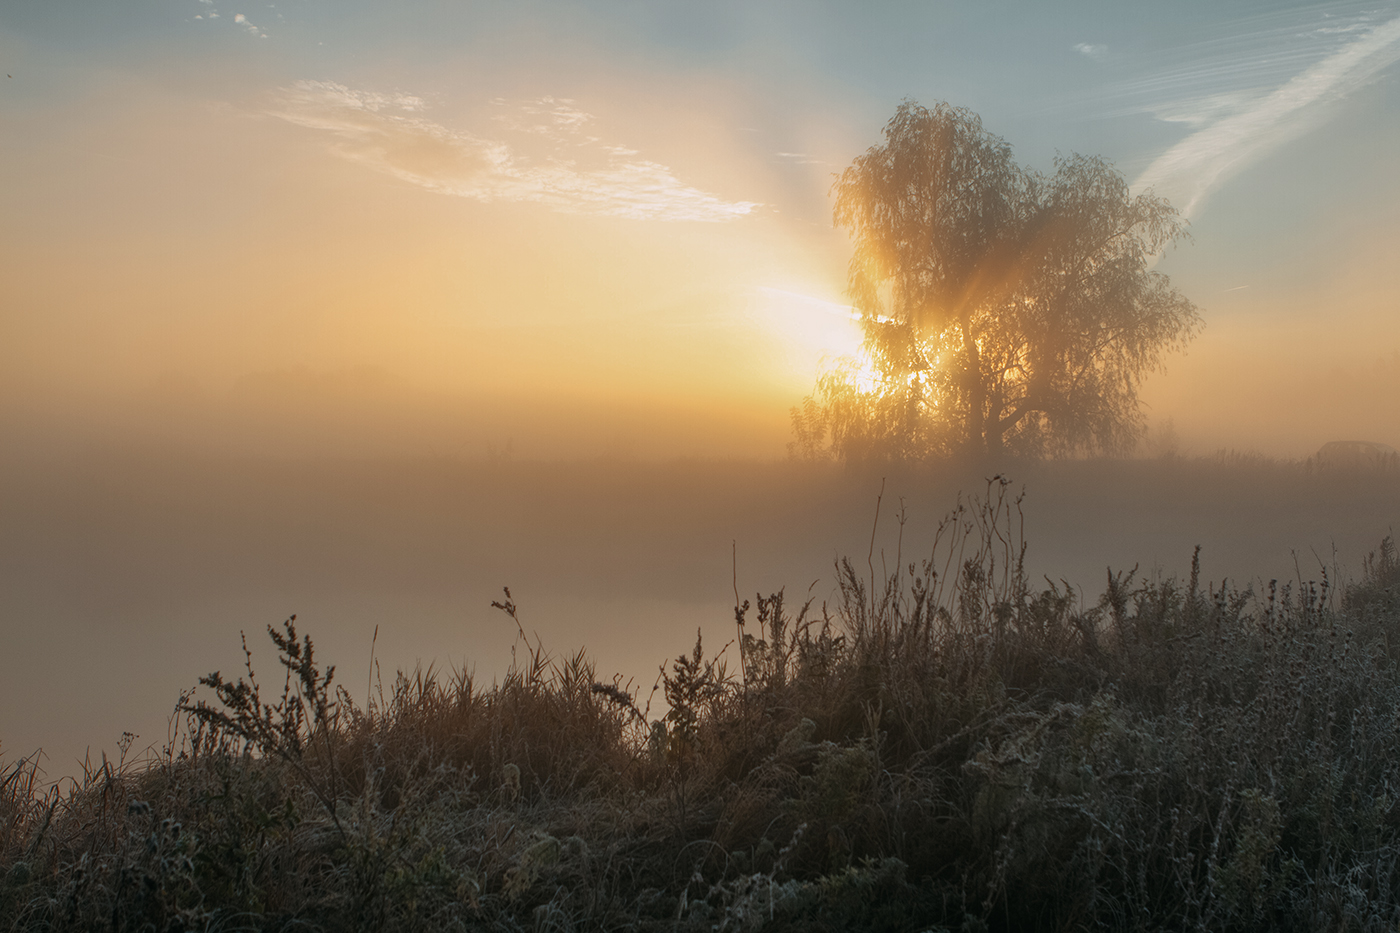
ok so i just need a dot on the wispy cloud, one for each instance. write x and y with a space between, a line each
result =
1096 52
1206 109
1239 127
800 158
247 24
1246 58
240 20
578 172
546 116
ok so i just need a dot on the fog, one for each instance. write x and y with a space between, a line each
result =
129 572
364 313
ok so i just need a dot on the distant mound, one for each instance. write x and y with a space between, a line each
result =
1357 455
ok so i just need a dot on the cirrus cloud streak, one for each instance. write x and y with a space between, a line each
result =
578 174
1191 170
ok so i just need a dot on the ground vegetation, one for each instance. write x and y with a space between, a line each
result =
947 745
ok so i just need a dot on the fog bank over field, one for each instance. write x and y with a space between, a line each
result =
364 313
130 573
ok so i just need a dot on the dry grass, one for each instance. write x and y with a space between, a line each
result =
947 747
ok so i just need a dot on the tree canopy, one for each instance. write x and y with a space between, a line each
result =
1003 310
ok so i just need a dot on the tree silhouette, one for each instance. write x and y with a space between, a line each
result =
1003 310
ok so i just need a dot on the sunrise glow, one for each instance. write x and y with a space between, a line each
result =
367 311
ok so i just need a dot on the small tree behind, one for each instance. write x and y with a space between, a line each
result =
1003 310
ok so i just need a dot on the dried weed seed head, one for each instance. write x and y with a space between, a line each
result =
510 782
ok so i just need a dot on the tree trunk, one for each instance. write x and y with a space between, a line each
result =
976 392
995 431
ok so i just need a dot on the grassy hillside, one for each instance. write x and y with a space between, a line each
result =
948 745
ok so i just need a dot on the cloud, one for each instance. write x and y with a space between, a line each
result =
1096 52
1239 128
577 173
243 21
1206 109
553 117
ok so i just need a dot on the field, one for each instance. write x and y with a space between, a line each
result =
944 737
128 573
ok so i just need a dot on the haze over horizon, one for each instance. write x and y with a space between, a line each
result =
240 239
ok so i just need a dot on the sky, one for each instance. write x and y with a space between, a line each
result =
238 240
604 228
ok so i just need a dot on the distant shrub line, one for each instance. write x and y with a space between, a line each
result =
947 747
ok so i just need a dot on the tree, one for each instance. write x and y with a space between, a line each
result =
1003 310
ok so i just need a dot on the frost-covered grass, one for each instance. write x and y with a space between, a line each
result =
948 746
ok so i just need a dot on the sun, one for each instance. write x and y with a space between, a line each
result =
818 333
